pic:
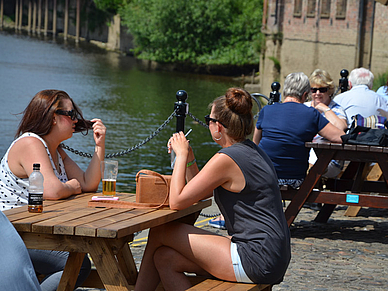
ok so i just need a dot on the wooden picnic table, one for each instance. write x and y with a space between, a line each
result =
350 189
70 225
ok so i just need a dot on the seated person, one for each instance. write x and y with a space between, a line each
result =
16 270
322 90
383 91
50 118
282 130
360 99
245 188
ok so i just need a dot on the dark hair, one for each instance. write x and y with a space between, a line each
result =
234 109
39 114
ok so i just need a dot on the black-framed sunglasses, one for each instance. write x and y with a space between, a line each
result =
71 113
208 119
322 90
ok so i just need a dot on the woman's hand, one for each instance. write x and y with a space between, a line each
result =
99 132
179 144
321 107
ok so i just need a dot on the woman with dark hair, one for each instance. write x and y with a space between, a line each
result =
50 118
245 188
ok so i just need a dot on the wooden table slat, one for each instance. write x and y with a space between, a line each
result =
90 228
146 221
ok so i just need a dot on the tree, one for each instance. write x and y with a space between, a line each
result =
211 32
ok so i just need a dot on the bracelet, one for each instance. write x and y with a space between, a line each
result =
191 163
328 109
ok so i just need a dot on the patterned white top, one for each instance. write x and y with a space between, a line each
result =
335 107
13 190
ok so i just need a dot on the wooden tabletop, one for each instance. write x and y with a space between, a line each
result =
70 225
324 144
73 217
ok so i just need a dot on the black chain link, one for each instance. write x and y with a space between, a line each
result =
122 153
197 120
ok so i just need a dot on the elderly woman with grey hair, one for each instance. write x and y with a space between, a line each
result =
283 128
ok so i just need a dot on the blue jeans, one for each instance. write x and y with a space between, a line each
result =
51 264
16 270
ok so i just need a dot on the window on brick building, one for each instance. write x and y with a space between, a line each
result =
311 4
325 9
341 9
298 8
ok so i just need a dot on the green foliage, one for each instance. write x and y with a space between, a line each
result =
380 80
110 6
211 32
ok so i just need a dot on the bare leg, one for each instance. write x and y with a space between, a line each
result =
193 249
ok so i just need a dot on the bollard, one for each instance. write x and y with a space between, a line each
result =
182 108
343 82
274 96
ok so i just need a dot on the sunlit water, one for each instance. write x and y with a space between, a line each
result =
131 102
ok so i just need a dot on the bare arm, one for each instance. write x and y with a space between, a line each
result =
220 170
332 133
332 117
257 136
89 179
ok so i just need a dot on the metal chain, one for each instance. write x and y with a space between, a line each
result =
197 120
122 153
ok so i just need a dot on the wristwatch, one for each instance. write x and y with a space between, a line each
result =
328 109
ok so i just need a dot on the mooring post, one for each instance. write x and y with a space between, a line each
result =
274 96
181 108
343 82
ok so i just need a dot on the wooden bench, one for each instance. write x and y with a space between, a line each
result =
199 284
214 284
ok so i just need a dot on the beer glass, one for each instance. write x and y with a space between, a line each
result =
109 170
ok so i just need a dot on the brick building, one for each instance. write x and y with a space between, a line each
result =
303 35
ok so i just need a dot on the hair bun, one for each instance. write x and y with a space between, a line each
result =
238 101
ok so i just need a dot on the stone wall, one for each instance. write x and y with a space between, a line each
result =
332 43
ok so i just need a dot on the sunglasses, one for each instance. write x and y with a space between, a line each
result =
208 119
322 90
71 113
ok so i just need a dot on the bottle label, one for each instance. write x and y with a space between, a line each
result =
35 199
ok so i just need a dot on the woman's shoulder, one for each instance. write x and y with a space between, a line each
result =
29 139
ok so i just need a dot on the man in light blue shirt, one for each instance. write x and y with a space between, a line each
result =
360 99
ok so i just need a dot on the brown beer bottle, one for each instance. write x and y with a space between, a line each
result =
35 190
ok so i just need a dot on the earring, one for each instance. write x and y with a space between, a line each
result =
219 137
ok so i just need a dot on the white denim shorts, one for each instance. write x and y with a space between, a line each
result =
239 272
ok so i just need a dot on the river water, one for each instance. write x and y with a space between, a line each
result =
132 102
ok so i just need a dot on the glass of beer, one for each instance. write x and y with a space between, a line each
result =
109 170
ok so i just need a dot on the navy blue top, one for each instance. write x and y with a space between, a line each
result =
254 217
285 129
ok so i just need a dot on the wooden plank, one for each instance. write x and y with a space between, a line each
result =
90 229
127 264
107 266
87 226
71 271
307 186
206 285
149 220
219 285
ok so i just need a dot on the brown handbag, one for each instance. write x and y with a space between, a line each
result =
152 188
152 191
